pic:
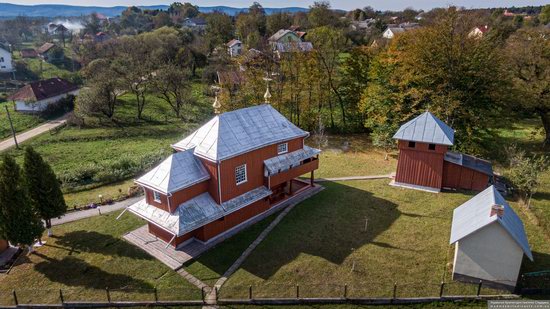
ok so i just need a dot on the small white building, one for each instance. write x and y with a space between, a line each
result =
36 96
490 241
6 63
235 48
391 32
478 32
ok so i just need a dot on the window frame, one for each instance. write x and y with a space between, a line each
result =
412 144
237 170
157 197
431 147
285 146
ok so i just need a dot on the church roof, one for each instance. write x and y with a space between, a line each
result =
426 128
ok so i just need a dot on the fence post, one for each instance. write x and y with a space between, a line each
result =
108 295
479 287
441 288
297 291
61 296
203 295
216 290
394 291
15 298
250 292
156 296
345 291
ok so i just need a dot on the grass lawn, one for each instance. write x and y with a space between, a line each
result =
87 256
21 122
320 240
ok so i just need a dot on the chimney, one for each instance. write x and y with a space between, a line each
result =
497 210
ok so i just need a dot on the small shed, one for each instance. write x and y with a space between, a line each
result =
490 241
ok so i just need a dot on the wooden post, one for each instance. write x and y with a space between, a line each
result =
394 291
366 224
441 288
61 297
290 187
250 292
345 291
15 298
216 291
311 180
203 295
479 287
156 296
12 129
108 295
297 291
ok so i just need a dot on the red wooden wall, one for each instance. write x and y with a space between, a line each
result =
3 245
420 166
459 177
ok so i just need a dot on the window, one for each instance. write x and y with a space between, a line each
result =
431 146
282 148
412 144
240 174
156 196
1 59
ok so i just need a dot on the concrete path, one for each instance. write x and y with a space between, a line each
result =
81 214
21 137
354 178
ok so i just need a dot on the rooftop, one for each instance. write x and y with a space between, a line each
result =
476 213
426 128
40 90
470 162
45 47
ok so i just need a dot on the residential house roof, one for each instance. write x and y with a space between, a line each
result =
40 90
45 48
470 162
426 128
178 171
197 21
233 42
294 47
476 214
279 34
233 133
196 212
396 29
28 53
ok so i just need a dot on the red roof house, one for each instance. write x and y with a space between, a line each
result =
36 96
426 163
233 168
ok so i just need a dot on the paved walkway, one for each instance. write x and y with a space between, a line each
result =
21 137
354 178
81 214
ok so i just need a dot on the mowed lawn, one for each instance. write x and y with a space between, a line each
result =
21 122
86 257
317 245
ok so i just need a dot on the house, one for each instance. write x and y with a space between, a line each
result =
6 63
425 162
284 41
478 32
285 36
289 47
36 96
46 52
390 32
233 168
234 47
196 23
28 53
490 241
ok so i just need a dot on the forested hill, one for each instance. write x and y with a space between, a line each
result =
57 10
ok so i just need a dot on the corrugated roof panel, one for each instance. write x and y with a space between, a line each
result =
475 214
286 161
426 128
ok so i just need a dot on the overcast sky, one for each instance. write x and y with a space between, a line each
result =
345 4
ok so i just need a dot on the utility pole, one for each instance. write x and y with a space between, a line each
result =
11 125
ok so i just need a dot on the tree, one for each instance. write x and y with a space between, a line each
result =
525 172
162 19
19 223
43 188
92 25
276 21
219 29
320 14
104 87
544 16
529 60
172 85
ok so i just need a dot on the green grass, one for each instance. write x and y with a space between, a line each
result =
318 242
87 256
21 121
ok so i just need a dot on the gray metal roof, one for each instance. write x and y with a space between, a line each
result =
475 214
286 161
426 128
178 171
279 34
470 162
240 131
196 212
294 47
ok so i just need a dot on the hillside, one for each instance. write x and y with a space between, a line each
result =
58 10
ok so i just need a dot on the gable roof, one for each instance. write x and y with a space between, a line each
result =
45 47
233 42
178 171
279 34
40 90
426 128
233 133
396 29
475 214
28 53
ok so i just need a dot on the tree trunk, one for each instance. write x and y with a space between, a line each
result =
545 118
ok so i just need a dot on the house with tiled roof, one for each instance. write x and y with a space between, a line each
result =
46 52
478 32
490 241
36 96
233 168
426 163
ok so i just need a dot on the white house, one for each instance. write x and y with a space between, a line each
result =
6 63
36 96
478 32
235 47
490 241
196 23
391 32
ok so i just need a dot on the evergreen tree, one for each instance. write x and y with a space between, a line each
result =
19 223
43 187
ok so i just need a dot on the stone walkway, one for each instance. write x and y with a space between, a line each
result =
21 137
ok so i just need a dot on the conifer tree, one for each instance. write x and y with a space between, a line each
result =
20 224
43 187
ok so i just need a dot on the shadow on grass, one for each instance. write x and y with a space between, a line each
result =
75 272
329 225
91 241
535 281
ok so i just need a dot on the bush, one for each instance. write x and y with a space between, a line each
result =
59 108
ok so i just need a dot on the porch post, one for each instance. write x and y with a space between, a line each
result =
311 179
290 187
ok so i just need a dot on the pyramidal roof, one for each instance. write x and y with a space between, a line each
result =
426 128
233 133
180 170
475 214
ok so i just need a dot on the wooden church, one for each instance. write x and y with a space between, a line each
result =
426 163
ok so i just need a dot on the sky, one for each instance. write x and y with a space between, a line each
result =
341 4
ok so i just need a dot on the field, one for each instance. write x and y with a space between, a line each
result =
21 122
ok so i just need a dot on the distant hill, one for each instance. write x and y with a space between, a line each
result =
59 10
